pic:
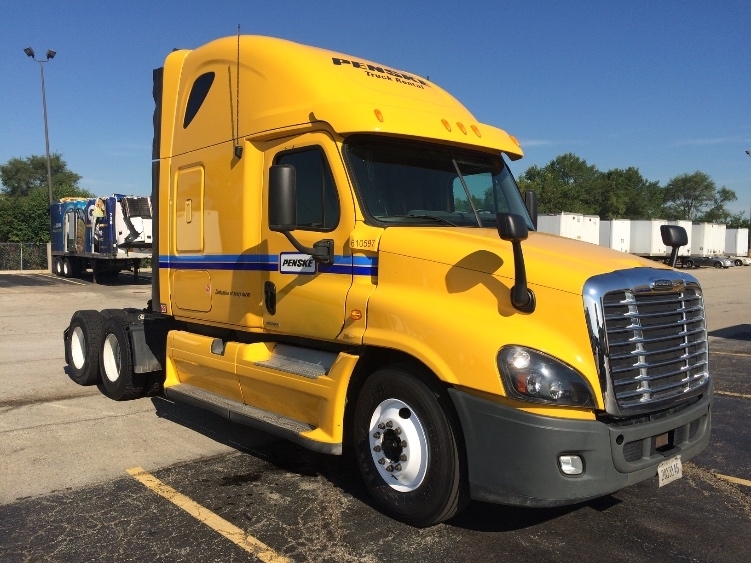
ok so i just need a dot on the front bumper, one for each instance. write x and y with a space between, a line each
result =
512 455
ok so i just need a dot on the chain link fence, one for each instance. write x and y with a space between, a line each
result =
23 256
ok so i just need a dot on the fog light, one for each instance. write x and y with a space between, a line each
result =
571 464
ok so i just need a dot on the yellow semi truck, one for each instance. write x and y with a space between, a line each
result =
346 261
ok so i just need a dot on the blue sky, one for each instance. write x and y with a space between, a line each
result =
662 86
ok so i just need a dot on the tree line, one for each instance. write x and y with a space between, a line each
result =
566 183
24 196
569 183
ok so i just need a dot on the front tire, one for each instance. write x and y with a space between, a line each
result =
82 342
688 263
117 378
717 265
408 450
738 263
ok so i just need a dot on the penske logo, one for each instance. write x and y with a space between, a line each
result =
292 263
374 71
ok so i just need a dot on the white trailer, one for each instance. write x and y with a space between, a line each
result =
684 250
591 229
616 234
708 239
646 238
569 225
736 242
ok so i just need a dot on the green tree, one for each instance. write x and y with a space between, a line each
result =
566 183
24 203
688 196
20 176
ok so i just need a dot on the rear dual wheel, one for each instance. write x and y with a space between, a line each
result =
118 381
82 343
407 445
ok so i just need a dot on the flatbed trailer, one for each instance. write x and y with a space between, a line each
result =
103 234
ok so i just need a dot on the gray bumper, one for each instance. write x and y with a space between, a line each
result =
513 455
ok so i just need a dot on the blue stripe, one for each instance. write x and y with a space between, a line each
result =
348 265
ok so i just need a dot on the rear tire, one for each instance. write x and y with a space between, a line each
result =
82 342
117 379
58 266
67 268
738 263
407 448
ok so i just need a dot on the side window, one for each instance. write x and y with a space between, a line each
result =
198 94
317 200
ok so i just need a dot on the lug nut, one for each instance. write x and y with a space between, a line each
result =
403 457
397 467
390 424
377 435
376 448
398 430
390 468
382 461
403 443
381 425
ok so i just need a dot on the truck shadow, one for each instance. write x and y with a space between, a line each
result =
113 280
737 332
343 473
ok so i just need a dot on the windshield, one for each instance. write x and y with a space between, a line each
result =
413 183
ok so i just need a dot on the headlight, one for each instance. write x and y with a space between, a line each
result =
533 376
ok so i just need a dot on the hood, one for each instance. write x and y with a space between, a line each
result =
551 261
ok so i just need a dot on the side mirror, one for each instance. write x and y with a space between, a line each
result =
282 198
513 228
282 211
674 236
530 202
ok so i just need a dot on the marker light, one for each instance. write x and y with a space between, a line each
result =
461 127
476 130
532 376
379 115
447 125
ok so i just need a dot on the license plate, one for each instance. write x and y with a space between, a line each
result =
670 470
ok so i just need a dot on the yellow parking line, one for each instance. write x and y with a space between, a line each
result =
735 480
58 278
729 394
217 523
730 354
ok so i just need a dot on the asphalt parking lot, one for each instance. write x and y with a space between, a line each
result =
83 478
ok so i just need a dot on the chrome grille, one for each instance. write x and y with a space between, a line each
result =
651 343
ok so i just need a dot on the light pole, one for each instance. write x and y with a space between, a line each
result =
50 55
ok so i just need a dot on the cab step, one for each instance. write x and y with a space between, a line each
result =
270 422
299 361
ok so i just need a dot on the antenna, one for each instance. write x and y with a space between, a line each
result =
238 147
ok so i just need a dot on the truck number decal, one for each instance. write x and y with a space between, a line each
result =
366 244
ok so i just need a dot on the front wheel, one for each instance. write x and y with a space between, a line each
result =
407 447
688 263
717 265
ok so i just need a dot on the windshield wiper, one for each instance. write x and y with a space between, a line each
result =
466 191
431 217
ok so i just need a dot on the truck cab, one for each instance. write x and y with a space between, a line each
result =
345 260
